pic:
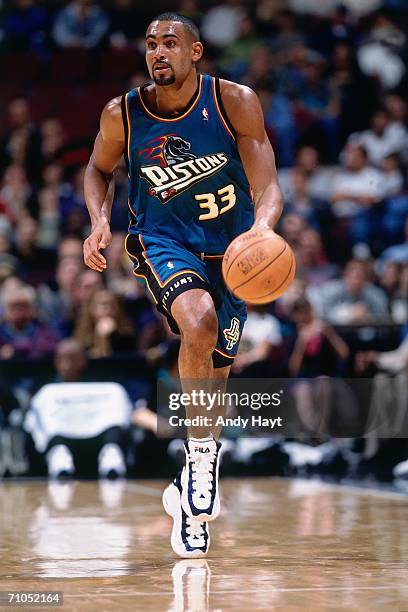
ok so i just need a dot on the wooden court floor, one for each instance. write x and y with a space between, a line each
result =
279 545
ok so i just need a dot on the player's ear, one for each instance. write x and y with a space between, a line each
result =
197 51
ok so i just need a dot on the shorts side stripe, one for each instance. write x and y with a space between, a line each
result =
149 263
147 284
224 354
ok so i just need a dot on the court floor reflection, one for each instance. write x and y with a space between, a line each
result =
279 544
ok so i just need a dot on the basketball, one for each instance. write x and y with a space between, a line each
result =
258 266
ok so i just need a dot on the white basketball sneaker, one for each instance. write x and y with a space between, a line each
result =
200 498
190 538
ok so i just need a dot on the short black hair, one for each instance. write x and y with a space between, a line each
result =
188 24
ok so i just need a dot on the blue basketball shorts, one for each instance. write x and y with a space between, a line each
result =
167 269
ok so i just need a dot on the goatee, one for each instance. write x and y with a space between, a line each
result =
162 80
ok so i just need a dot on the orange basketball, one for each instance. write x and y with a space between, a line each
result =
258 266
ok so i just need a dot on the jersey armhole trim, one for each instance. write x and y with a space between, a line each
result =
126 127
221 109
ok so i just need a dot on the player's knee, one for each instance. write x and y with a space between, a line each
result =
200 330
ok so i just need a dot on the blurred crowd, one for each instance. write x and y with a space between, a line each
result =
332 79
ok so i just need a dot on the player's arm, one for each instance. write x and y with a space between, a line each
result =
99 182
245 113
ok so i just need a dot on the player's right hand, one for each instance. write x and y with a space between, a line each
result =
99 238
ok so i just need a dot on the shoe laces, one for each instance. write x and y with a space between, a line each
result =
202 471
195 532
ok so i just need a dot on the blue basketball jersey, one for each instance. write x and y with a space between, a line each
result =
186 180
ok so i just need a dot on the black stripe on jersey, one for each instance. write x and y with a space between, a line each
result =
221 106
126 129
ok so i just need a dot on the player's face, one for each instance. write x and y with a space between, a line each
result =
170 52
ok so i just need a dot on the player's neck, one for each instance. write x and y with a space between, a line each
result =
173 99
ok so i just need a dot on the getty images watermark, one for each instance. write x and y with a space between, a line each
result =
291 407
213 401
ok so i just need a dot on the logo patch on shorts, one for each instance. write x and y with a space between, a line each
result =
231 334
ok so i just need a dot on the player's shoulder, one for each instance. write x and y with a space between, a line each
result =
113 109
235 93
241 105
111 119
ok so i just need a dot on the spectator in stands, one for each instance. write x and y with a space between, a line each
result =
318 102
48 218
119 270
17 147
357 189
234 59
311 261
70 247
57 298
393 177
103 329
393 361
393 279
385 449
21 333
87 283
317 347
52 139
316 351
313 210
383 139
356 92
398 252
379 55
25 26
5 235
221 24
318 177
151 415
78 424
357 184
8 269
127 22
280 123
15 193
261 335
325 9
352 299
397 110
288 36
36 262
21 134
73 204
291 228
81 24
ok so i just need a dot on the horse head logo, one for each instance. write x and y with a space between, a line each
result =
168 150
175 150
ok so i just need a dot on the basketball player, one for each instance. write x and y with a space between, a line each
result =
201 172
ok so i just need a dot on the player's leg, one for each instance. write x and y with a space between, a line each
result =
196 318
219 387
195 315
